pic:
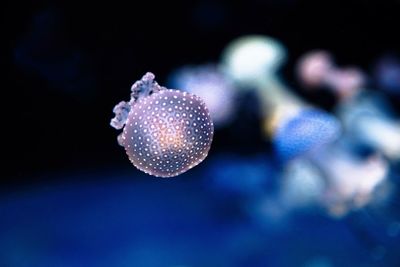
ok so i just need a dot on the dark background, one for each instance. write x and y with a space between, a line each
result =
69 63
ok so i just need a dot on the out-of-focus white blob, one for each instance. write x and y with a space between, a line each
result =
208 82
387 74
352 183
249 59
317 68
302 184
253 62
368 121
381 133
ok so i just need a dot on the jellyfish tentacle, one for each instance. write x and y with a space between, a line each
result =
121 111
144 87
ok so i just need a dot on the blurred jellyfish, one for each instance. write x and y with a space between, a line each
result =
387 74
350 182
365 120
253 62
305 133
250 59
368 121
317 69
212 86
165 132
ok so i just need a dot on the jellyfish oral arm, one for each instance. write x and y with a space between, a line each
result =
144 87
121 111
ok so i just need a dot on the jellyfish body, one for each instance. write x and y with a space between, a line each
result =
253 63
249 59
317 68
309 130
165 132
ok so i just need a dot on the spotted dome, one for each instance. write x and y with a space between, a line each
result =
168 133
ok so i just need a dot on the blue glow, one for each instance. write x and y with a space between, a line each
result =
308 130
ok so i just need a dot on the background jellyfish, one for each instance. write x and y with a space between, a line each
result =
370 122
317 69
251 59
165 132
350 182
212 86
364 113
253 62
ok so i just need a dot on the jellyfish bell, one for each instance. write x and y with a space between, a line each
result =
308 131
317 69
253 62
208 82
313 67
165 132
248 59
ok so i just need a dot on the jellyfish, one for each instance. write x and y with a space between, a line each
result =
212 86
253 62
165 132
364 112
309 130
317 68
350 182
249 59
370 122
